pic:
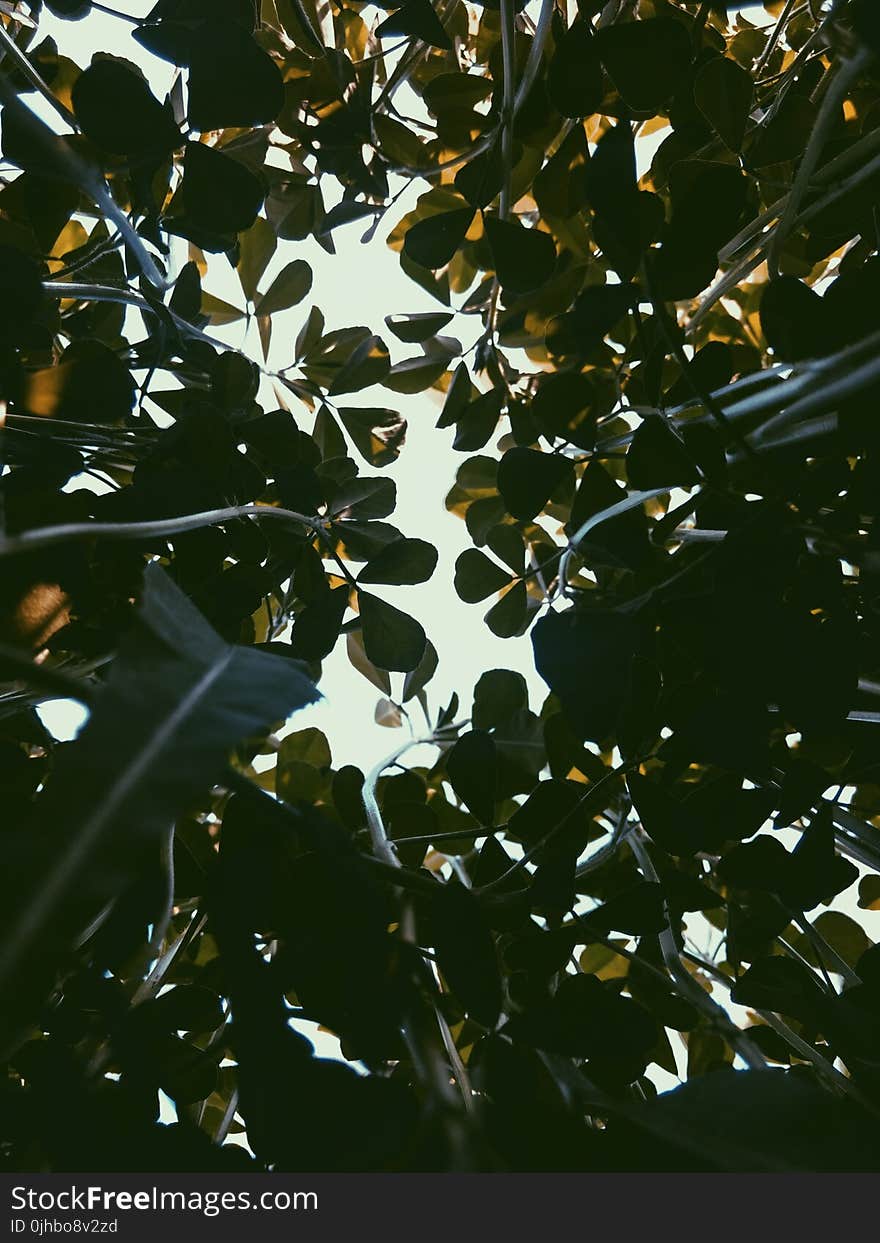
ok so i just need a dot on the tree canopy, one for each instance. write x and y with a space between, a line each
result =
658 225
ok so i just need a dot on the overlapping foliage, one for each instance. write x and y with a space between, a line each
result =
670 484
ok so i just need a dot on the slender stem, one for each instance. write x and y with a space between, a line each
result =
382 847
536 52
162 528
846 74
44 677
797 1043
508 58
717 1015
774 37
27 69
126 297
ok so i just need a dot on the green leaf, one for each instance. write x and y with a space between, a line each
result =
378 434
574 78
656 457
256 245
118 112
724 92
418 20
781 984
232 81
392 640
404 561
527 479
416 681
308 746
476 577
368 364
434 241
288 289
465 951
220 196
509 617
413 329
470 766
646 60
524 258
498 694
414 375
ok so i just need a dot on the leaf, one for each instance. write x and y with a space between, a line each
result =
781 984
470 766
316 628
574 77
869 893
415 682
368 364
434 241
187 1007
657 457
404 561
414 329
510 616
415 375
378 434
498 694
724 92
625 540
118 112
288 289
637 910
232 81
794 319
465 951
594 314
527 479
219 195
347 212
392 640
585 658
816 872
645 60
524 258
741 1120
257 245
614 196
89 384
476 577
177 699
388 714
364 498
307 746
418 20
379 678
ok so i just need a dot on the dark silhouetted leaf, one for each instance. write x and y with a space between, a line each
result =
645 60
723 92
232 81
288 289
117 110
403 561
466 952
477 577
433 242
524 258
392 640
526 480
470 766
418 20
